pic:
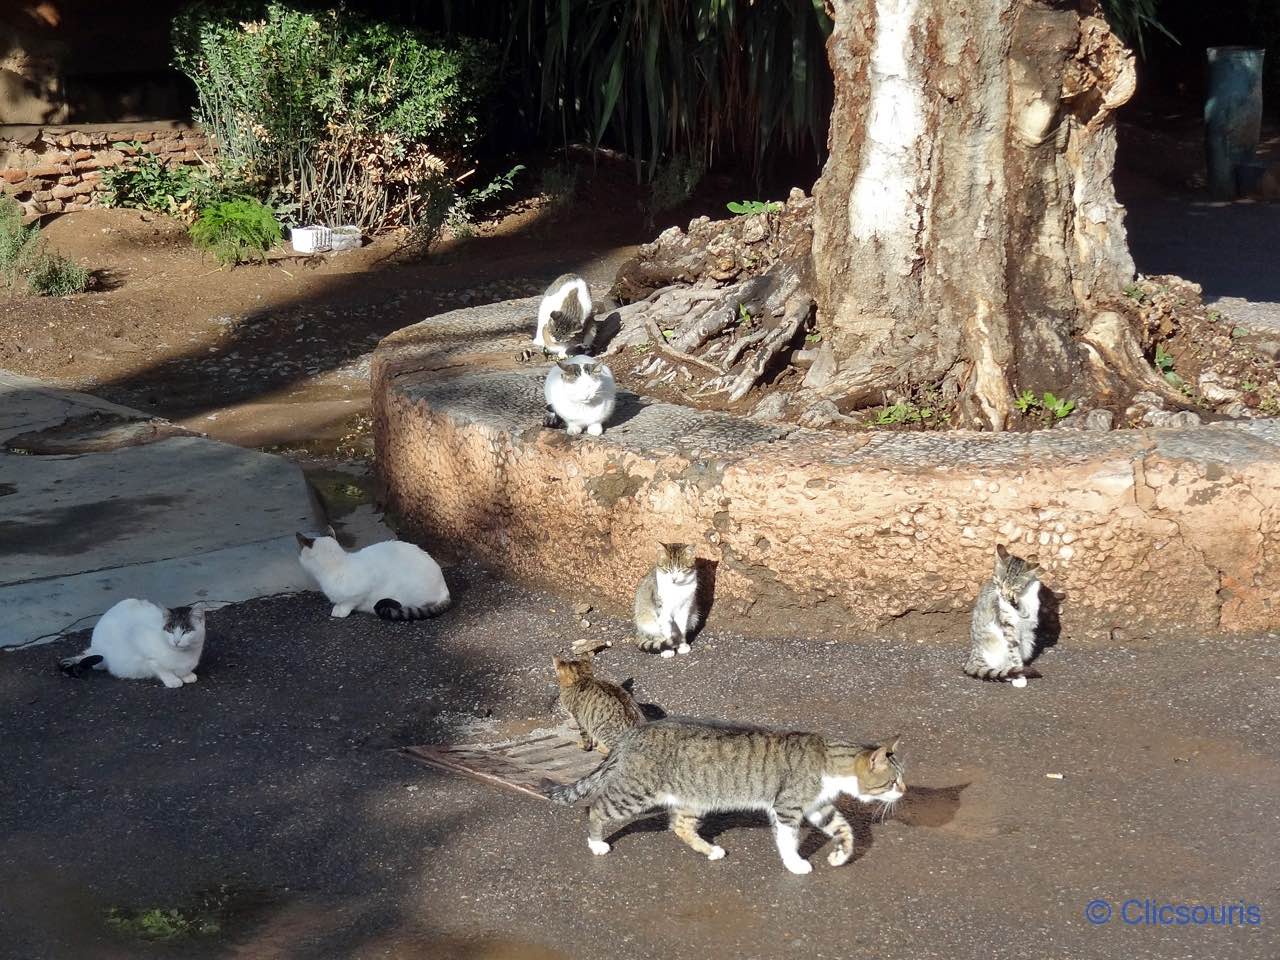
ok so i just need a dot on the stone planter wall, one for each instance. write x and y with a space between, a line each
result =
1170 531
50 169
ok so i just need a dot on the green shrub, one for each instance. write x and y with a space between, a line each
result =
356 121
146 182
53 275
18 243
235 231
23 252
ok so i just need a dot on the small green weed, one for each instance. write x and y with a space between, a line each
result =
162 925
53 275
747 208
462 212
23 252
744 316
146 182
1047 403
902 412
560 185
1164 363
235 231
18 244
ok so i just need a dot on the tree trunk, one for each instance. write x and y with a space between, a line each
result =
966 235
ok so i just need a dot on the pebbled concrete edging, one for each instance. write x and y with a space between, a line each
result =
1174 529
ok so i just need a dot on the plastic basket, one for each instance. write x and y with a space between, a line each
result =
318 239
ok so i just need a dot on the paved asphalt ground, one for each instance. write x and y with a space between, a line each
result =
275 779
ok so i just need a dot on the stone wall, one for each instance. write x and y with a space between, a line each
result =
1170 532
52 169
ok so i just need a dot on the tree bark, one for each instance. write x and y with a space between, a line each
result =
965 230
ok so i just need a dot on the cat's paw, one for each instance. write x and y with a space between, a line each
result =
340 611
667 654
683 648
715 853
1018 681
171 681
839 857
598 847
573 429
595 429
799 866
190 678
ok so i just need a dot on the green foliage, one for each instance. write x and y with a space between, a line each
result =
461 214
53 275
1047 403
356 121
160 925
560 184
146 182
903 412
1134 20
1163 359
744 316
670 78
236 230
23 252
18 243
749 208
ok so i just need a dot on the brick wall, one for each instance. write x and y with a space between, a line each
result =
51 169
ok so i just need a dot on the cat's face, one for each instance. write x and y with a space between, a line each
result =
569 672
581 380
872 774
676 560
184 627
1014 575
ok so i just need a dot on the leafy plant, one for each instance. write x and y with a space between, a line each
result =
560 184
744 316
236 230
1056 407
18 243
747 208
461 215
902 412
161 925
1132 20
53 275
1163 359
355 121
23 252
146 182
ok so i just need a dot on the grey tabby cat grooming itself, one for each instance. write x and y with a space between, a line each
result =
603 711
666 609
1005 619
694 768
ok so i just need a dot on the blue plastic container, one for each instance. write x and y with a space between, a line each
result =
1232 114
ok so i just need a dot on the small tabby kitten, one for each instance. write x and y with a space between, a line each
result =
565 317
1005 618
666 602
696 768
394 579
603 711
581 393
139 640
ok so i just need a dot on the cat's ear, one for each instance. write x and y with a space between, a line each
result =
566 367
594 368
329 532
1001 553
305 542
892 745
197 615
880 758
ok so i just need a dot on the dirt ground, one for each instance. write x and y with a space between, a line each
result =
269 799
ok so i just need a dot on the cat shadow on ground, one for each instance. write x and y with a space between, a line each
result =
1049 630
606 328
706 570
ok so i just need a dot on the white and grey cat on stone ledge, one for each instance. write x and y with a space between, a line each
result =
581 394
566 318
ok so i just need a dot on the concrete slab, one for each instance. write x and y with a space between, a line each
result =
179 520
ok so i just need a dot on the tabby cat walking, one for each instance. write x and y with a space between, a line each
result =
602 710
696 768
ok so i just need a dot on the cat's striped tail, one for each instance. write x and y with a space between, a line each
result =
389 609
74 666
571 793
651 644
977 667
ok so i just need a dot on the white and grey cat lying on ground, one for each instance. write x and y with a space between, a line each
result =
393 579
580 392
139 640
566 317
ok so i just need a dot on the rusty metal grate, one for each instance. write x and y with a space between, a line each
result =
516 764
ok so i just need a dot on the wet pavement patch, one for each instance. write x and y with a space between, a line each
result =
93 433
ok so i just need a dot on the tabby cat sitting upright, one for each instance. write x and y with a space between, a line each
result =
694 768
1005 619
566 317
666 609
138 640
603 711
394 579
